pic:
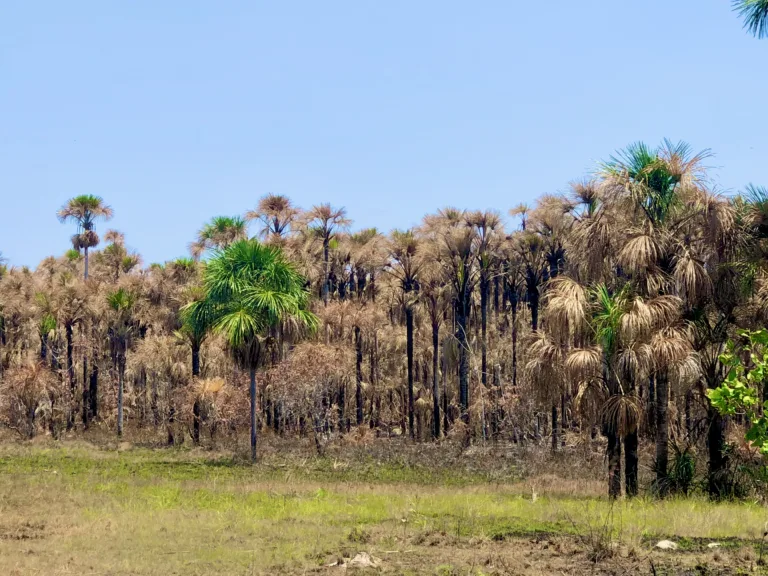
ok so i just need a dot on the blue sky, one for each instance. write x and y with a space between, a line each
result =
178 111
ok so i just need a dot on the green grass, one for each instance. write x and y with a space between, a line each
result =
165 512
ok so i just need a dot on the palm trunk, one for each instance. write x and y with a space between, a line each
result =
651 407
43 347
409 353
614 463
93 392
461 336
435 384
662 430
555 444
70 373
717 478
327 279
631 463
120 387
252 393
85 271
196 406
359 375
484 288
514 303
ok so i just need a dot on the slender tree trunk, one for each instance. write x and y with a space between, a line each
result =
614 464
43 347
514 302
555 444
196 406
484 288
327 279
359 375
86 391
662 430
461 336
120 387
70 373
85 271
630 463
717 477
409 353
252 392
435 382
651 407
93 393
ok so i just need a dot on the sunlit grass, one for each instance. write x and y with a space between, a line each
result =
153 512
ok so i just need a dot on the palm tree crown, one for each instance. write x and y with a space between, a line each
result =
755 16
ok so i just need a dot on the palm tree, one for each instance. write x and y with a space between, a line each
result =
120 306
656 197
275 212
325 221
405 265
195 326
435 297
755 15
458 253
85 210
249 288
219 233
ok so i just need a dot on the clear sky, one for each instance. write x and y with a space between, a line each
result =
177 111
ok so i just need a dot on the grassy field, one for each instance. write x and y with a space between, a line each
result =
72 508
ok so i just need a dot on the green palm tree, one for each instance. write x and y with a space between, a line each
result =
219 233
755 15
85 210
196 319
120 304
250 288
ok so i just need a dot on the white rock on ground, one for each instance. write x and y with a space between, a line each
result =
666 545
713 545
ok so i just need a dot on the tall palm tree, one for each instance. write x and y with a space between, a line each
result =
219 233
120 306
324 221
249 288
275 213
755 15
85 210
405 266
655 195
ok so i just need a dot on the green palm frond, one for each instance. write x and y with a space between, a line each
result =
755 16
249 287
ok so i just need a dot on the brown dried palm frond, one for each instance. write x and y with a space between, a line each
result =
622 413
566 306
640 253
590 397
584 364
665 310
670 347
637 321
635 360
693 281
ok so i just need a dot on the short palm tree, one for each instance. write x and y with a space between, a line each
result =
85 210
249 288
755 15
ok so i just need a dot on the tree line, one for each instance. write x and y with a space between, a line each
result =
600 312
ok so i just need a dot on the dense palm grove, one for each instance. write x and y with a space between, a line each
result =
599 314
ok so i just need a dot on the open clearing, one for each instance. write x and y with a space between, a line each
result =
72 508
